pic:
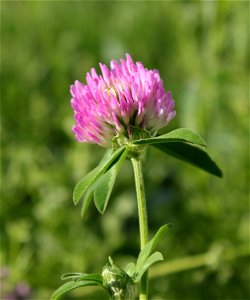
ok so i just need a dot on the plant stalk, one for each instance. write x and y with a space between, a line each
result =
143 219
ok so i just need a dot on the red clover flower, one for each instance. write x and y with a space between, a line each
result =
124 108
118 103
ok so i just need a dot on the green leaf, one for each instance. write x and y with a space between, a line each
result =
92 277
71 285
185 145
105 184
73 275
104 188
83 185
155 257
130 269
178 135
86 202
149 247
191 154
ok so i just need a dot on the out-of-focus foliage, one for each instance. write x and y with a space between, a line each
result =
201 51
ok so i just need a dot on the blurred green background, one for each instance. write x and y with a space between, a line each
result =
201 51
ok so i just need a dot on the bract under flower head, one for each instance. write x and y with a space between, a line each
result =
123 100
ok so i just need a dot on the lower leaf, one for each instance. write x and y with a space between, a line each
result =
73 275
149 247
130 269
71 285
155 257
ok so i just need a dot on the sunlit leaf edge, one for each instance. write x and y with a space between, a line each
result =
178 135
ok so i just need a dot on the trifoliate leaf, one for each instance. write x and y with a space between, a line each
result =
185 145
84 184
71 285
92 277
130 269
73 275
88 197
153 258
178 135
191 154
149 247
104 186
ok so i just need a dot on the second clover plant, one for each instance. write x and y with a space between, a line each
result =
122 110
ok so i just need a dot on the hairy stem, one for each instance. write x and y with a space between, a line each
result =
143 220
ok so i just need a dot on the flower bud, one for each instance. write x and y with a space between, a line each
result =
117 282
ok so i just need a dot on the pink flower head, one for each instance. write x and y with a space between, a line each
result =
123 99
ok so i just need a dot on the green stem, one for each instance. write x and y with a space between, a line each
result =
143 220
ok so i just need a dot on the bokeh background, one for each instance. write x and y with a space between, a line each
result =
201 50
